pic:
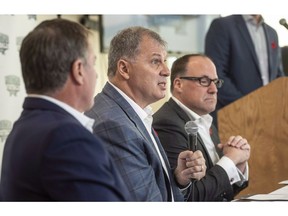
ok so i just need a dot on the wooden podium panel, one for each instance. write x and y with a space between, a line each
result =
262 118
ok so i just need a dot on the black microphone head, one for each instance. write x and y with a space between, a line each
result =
191 127
283 21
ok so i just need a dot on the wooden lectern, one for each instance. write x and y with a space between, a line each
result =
262 118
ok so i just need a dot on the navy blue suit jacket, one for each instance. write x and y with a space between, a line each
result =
131 147
49 155
169 122
230 46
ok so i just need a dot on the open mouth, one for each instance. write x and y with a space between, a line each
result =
162 84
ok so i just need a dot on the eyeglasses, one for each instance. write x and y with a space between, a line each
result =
205 81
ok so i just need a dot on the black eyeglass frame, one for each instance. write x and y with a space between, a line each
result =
205 79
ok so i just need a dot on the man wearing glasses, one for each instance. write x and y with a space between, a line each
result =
194 84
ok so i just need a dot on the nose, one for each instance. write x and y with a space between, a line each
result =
213 88
165 71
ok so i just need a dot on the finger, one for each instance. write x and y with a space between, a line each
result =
196 162
200 174
240 143
197 176
230 140
203 168
246 146
197 155
195 168
234 142
220 146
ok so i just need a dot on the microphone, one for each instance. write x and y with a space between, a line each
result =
283 22
191 129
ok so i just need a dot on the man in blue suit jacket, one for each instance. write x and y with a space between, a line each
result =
246 53
50 154
137 77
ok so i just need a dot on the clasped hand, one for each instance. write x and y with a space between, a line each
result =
237 149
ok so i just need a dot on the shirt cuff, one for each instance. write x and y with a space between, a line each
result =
185 188
234 174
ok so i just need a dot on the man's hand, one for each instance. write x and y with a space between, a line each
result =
238 142
191 165
238 150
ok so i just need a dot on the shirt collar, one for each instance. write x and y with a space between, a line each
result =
204 120
250 19
84 120
144 114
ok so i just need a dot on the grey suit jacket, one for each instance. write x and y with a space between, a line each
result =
131 147
169 123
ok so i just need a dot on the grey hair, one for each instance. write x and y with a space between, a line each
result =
126 45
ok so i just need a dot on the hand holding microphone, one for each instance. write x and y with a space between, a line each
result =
191 129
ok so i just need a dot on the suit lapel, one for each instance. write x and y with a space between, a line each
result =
204 150
133 116
162 151
164 156
269 40
216 140
244 32
186 118
127 109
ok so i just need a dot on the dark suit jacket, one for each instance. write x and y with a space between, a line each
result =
169 122
49 155
131 147
230 46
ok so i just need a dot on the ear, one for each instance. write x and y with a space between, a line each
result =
123 68
77 72
177 84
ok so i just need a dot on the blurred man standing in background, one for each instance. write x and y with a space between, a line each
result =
246 53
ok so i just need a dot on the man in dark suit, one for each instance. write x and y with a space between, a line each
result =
194 84
246 53
50 154
137 76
